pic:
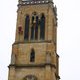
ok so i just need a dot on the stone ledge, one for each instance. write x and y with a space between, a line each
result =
23 42
31 65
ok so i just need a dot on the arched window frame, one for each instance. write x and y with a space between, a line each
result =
42 27
26 29
34 26
32 56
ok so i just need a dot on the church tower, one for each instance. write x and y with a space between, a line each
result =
34 52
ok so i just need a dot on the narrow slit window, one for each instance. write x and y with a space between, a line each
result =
42 27
32 56
36 28
26 31
33 28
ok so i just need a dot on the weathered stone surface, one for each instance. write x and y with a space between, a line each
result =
45 66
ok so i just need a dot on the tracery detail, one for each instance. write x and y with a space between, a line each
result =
36 28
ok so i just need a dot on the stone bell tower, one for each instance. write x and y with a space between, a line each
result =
34 52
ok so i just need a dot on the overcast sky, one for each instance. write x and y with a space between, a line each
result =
68 37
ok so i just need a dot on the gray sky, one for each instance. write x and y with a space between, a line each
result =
68 36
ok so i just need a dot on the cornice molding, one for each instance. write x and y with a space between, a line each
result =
23 42
23 3
31 65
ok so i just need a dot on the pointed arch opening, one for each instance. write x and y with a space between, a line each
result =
32 56
34 26
26 31
42 27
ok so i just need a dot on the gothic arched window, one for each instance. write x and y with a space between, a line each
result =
36 28
32 28
32 56
26 31
42 27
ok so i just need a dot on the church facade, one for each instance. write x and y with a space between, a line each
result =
34 52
